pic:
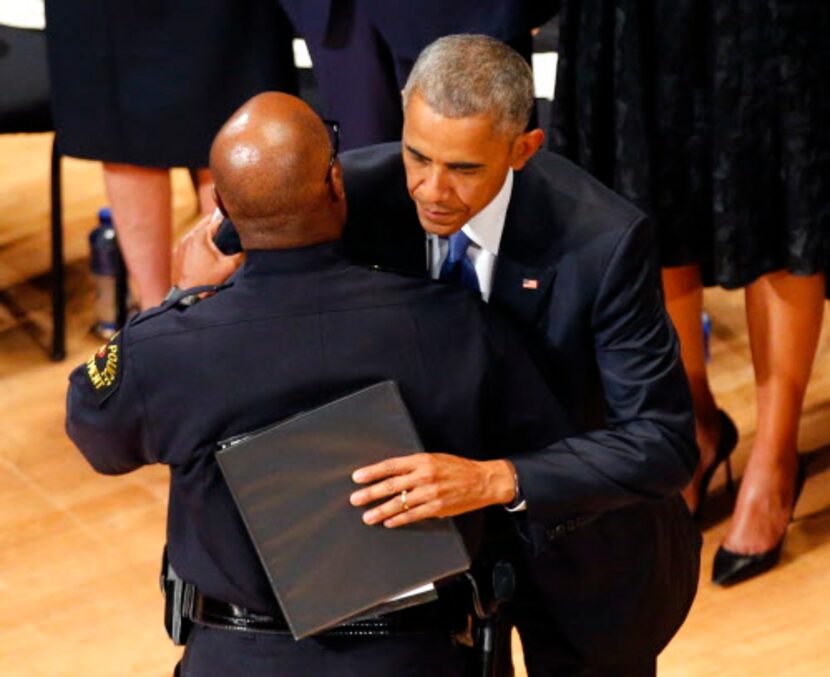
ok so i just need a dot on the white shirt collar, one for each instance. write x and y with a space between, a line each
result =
486 227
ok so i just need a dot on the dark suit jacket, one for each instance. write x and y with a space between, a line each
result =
411 26
620 586
297 329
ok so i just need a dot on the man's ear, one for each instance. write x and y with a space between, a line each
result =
525 147
336 186
218 200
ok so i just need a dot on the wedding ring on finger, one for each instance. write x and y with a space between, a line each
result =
404 504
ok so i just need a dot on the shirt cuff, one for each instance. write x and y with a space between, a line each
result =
518 504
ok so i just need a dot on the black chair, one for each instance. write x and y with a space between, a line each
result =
24 107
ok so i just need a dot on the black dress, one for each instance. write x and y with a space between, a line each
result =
713 118
149 82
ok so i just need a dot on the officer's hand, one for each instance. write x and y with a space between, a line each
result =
197 260
436 485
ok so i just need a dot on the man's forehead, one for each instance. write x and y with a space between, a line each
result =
447 156
452 143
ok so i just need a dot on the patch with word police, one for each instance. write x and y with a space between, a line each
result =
103 369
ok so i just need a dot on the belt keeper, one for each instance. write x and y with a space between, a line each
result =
188 600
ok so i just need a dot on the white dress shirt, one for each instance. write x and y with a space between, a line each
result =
485 230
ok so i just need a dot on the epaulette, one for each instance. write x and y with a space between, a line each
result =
405 272
103 368
178 298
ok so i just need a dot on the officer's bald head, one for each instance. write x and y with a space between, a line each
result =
270 163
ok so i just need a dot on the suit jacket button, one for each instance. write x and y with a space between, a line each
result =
555 532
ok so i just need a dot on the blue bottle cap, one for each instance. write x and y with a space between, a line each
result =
105 215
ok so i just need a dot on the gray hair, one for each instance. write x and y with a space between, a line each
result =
464 75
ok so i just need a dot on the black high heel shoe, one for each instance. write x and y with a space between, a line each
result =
730 567
726 445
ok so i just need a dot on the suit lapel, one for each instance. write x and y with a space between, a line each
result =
526 266
523 290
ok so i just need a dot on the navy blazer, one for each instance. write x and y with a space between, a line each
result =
411 26
595 308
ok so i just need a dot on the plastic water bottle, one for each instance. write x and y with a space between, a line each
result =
706 321
104 261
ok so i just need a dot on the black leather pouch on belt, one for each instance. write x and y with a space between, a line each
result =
178 603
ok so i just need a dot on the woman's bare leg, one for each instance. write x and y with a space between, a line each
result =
784 314
683 290
140 198
204 191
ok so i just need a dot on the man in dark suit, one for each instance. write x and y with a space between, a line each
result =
363 50
301 326
611 554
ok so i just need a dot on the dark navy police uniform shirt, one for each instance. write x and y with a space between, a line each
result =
297 329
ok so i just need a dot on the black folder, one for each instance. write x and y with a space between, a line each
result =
291 483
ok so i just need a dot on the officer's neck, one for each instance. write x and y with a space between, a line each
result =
290 233
303 260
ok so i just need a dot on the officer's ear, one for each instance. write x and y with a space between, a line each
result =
220 205
337 189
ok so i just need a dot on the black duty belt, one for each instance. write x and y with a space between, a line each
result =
419 619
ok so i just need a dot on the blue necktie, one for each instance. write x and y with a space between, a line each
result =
457 267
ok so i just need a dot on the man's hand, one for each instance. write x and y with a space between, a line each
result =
436 485
197 260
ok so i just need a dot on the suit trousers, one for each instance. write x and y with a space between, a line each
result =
546 654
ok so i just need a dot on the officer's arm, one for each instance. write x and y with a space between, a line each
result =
647 449
105 410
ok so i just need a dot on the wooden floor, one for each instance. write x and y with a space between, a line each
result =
79 552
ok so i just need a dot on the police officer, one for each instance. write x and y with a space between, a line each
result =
300 326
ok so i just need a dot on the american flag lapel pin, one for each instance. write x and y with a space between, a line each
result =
530 283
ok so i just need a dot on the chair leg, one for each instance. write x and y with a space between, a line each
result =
121 291
58 296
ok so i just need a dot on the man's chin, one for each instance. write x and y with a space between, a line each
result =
442 227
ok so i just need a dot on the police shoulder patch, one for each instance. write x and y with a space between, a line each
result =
103 369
